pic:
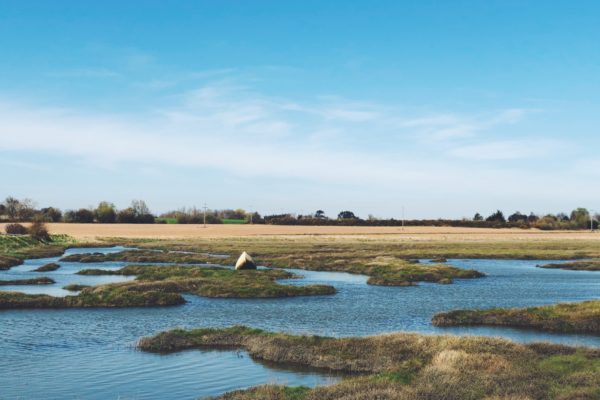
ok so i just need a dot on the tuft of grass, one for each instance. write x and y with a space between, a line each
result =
405 366
583 317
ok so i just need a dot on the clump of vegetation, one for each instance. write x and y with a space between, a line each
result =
15 229
47 267
14 249
583 317
39 231
405 366
587 265
74 287
147 256
33 281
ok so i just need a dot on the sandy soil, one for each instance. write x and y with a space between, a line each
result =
91 231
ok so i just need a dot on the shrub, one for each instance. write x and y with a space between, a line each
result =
15 229
39 231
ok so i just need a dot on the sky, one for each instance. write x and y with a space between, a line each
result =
443 108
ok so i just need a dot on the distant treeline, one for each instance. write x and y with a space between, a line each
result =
14 210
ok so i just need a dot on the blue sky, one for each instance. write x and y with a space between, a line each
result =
447 108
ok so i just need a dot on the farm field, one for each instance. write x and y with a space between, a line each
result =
94 231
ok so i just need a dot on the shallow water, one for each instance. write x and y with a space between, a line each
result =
90 354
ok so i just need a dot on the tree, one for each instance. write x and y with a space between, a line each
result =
532 218
547 222
320 214
498 216
12 207
562 217
126 216
580 218
517 217
51 214
138 213
105 213
477 217
83 215
26 210
141 212
347 215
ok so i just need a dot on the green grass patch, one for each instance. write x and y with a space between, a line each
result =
166 220
234 221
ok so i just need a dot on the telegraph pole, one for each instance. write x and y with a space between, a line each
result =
592 220
402 217
204 215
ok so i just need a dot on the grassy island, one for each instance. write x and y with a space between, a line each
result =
382 269
99 296
405 366
214 281
587 265
47 267
164 285
33 281
583 317
147 256
14 249
74 287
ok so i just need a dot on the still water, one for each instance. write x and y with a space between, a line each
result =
90 354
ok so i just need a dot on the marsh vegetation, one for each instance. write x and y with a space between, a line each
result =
582 317
406 366
584 265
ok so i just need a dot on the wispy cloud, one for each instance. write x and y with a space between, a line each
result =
233 129
509 150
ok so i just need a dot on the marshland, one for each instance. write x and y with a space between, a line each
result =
349 290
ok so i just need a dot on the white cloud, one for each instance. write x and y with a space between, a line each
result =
509 149
247 134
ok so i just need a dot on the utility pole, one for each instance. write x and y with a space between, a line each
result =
402 217
204 215
251 213
592 220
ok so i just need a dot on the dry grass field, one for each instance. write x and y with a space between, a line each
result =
420 233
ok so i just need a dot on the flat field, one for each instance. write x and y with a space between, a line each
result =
419 233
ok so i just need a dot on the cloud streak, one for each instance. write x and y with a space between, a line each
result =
246 134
